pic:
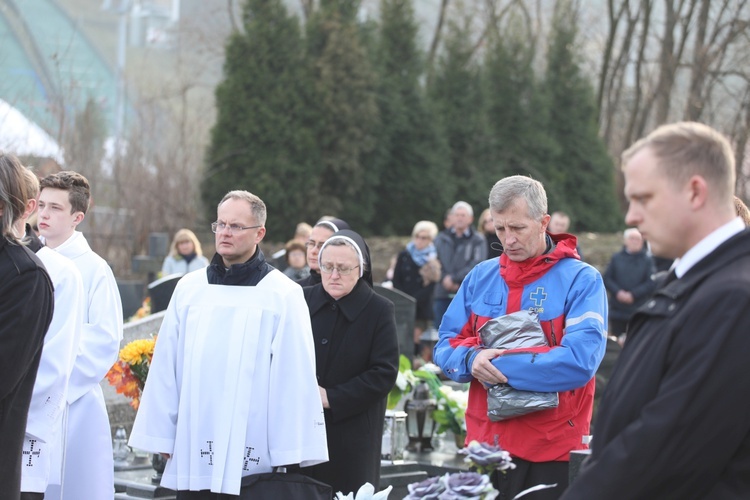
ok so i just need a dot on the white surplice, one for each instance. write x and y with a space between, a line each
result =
87 463
232 388
48 401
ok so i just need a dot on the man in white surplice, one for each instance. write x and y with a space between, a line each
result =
232 389
86 462
48 401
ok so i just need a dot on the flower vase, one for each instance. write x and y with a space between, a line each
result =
460 440
159 463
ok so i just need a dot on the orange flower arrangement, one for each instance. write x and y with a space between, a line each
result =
128 375
142 311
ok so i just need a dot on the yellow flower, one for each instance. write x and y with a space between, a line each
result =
129 373
137 351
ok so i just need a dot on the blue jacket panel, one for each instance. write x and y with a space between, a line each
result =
570 294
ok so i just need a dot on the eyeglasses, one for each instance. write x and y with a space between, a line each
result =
422 237
343 271
314 244
217 227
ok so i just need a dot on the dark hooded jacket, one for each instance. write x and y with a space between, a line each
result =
356 354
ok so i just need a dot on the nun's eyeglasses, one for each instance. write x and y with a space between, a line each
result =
343 271
314 244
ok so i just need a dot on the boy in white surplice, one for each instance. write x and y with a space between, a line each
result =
44 428
84 468
232 388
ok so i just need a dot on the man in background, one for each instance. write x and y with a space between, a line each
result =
628 279
459 249
559 223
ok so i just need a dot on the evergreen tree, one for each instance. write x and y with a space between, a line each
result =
516 110
346 114
588 181
84 140
411 157
263 140
455 91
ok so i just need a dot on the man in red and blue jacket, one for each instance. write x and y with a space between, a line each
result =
542 273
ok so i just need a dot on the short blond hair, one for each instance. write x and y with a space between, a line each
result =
685 149
425 225
32 183
257 207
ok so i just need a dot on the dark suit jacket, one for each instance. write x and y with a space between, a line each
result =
674 422
26 304
356 353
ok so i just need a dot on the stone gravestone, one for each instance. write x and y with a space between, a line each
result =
158 245
161 291
131 294
406 310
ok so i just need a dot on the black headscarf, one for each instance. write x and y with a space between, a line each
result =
364 252
333 224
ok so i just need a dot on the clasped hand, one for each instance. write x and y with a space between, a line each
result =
483 370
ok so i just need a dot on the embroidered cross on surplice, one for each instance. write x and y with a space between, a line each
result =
209 453
31 453
248 458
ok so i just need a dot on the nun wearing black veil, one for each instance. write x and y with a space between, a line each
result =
356 354
321 231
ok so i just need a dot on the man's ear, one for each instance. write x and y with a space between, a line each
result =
545 222
78 218
260 234
31 205
697 189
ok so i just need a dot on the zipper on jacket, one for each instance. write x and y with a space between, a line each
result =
533 357
533 354
552 332
570 423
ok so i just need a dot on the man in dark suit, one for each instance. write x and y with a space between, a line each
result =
675 420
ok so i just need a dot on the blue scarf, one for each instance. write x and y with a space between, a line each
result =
420 257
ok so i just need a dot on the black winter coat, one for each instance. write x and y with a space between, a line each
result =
356 354
26 304
406 278
631 272
675 419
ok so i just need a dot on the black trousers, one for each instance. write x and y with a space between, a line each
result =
204 495
528 474
617 327
31 496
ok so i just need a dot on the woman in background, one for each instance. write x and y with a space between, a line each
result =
486 227
416 272
296 260
185 254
